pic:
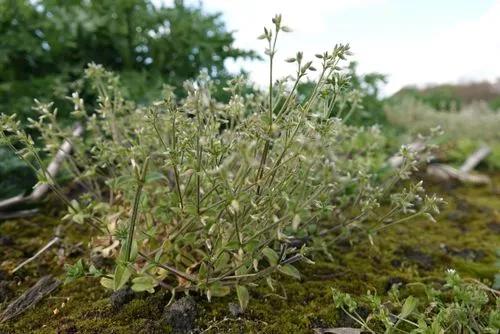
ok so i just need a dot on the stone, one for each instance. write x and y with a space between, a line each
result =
181 315
235 309
121 297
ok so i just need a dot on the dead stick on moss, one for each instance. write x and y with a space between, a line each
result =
442 172
52 169
37 254
464 174
49 244
18 214
474 159
30 297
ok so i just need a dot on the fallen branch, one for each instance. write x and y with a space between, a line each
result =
446 173
18 214
474 159
40 190
441 172
30 297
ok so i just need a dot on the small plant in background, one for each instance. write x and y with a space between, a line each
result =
458 306
217 197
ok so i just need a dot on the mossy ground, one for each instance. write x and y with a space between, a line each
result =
464 238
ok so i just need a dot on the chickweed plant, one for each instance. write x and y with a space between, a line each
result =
458 306
198 195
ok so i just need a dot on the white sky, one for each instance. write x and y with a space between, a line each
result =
413 42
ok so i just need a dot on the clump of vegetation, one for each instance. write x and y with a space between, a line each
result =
214 197
458 306
465 130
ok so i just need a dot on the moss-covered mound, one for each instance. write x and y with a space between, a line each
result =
464 238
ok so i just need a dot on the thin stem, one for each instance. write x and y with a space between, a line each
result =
272 51
415 215
198 158
362 323
174 271
140 183
176 170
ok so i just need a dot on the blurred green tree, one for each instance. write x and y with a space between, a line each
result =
47 43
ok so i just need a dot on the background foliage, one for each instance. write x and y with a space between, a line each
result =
455 96
46 44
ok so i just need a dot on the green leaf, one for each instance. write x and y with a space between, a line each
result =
158 255
79 218
342 330
75 271
243 270
154 176
203 271
144 283
243 296
218 290
251 246
133 251
108 283
232 245
271 256
408 307
221 261
235 206
122 274
289 270
94 271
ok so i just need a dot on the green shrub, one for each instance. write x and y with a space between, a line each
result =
215 197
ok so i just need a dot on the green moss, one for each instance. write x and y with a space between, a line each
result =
400 254
87 309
